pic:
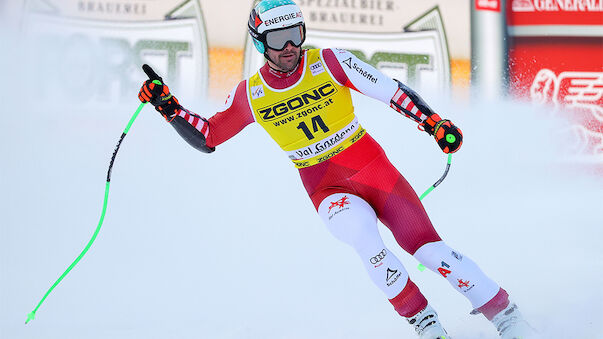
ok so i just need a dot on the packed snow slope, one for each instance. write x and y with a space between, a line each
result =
228 245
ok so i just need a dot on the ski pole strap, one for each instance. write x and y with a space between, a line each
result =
32 314
439 180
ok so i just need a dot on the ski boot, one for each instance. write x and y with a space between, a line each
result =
427 325
511 325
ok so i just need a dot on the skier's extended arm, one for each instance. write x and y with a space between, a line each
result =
202 134
354 73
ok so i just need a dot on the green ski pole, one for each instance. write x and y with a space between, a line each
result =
421 267
450 139
439 180
153 76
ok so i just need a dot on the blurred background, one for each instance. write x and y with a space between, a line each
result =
228 245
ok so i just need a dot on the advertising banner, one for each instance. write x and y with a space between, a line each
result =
97 48
549 12
487 5
556 58
555 74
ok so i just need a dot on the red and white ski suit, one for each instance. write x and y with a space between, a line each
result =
354 187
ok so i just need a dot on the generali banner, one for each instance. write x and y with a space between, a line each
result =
556 59
97 48
556 12
412 50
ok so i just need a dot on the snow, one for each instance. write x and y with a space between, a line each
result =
228 245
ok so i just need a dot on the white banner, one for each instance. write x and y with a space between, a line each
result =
93 52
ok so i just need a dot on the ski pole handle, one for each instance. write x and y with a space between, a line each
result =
151 73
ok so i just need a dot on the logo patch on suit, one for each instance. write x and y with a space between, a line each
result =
257 92
317 68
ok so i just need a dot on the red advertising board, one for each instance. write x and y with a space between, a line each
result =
555 12
560 63
567 74
487 5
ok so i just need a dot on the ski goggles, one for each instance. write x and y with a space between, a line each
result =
277 40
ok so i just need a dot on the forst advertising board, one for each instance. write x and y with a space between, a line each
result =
556 59
96 48
415 51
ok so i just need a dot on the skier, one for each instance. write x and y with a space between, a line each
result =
302 99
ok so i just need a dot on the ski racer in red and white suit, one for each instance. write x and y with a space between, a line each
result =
301 97
362 178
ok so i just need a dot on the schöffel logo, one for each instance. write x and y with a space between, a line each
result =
298 102
392 276
354 66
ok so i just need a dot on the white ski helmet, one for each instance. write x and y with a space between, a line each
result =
274 23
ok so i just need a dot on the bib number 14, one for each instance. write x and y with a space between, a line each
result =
317 124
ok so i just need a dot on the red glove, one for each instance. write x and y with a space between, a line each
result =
447 135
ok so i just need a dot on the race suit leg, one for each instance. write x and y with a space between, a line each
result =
403 213
352 220
364 170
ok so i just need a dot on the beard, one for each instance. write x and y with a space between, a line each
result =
287 61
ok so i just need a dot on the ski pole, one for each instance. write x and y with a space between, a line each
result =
153 76
439 180
422 267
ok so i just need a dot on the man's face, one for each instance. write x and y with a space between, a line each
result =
285 60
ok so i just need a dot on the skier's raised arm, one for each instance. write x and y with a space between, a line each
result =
358 75
202 134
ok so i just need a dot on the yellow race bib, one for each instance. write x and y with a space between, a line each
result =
313 120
